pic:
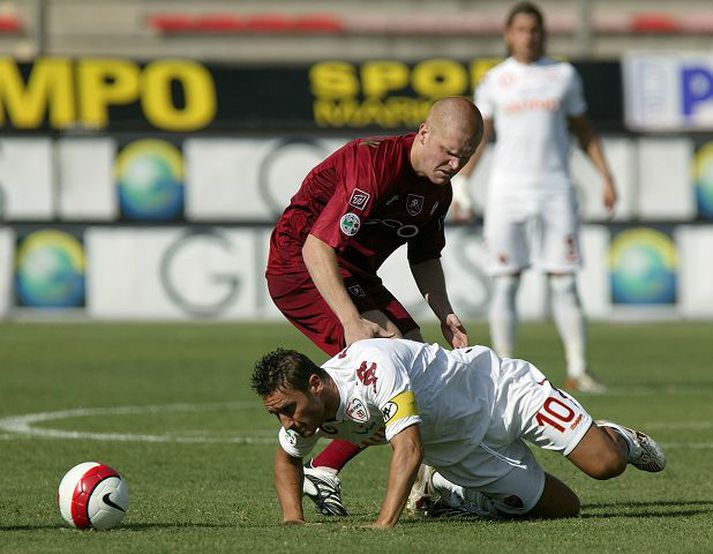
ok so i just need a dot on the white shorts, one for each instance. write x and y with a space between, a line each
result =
526 407
539 231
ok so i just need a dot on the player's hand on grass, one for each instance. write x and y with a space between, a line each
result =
454 332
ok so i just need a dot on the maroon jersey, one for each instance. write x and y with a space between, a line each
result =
365 200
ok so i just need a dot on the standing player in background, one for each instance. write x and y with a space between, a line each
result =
532 101
351 213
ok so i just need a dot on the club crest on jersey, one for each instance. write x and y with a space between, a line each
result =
357 290
350 224
414 204
359 199
355 410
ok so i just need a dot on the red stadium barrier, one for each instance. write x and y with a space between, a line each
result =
258 23
376 23
654 23
10 24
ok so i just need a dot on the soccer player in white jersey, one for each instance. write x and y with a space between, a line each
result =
531 220
467 413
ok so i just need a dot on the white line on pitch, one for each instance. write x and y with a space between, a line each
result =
23 425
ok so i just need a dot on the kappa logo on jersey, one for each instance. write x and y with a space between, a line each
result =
359 199
414 204
388 411
350 224
356 411
400 406
367 375
357 290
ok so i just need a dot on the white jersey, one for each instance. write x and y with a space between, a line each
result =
529 104
386 385
474 411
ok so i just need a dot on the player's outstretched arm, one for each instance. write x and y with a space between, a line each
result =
405 461
321 262
288 483
432 284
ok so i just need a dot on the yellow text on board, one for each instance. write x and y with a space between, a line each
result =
78 93
373 93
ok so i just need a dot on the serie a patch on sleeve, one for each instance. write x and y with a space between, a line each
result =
400 406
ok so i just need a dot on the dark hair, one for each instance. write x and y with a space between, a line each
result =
282 368
527 8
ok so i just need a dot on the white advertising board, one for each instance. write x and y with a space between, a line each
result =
171 273
26 179
218 274
696 268
247 179
668 91
87 190
7 267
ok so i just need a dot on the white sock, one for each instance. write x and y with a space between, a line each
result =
503 314
569 318
441 484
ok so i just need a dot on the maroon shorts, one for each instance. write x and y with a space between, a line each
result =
299 300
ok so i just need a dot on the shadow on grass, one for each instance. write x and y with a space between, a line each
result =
656 508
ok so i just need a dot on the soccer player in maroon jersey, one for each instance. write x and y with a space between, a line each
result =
351 213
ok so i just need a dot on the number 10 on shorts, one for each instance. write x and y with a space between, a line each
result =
555 413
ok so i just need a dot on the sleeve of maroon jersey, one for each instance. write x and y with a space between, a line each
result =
355 195
428 244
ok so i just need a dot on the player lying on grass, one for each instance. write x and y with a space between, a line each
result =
466 413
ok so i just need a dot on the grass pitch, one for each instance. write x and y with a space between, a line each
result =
169 406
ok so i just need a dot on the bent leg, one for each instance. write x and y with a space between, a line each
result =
557 501
602 453
523 491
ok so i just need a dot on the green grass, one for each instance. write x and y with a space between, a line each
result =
217 495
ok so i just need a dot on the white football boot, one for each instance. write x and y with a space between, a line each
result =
644 453
422 494
445 499
585 383
324 488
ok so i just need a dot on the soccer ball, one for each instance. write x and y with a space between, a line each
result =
93 495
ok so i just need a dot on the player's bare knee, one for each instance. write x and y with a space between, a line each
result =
572 507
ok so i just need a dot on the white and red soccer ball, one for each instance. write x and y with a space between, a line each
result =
93 495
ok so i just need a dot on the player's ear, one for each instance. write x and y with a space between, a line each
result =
315 384
422 132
